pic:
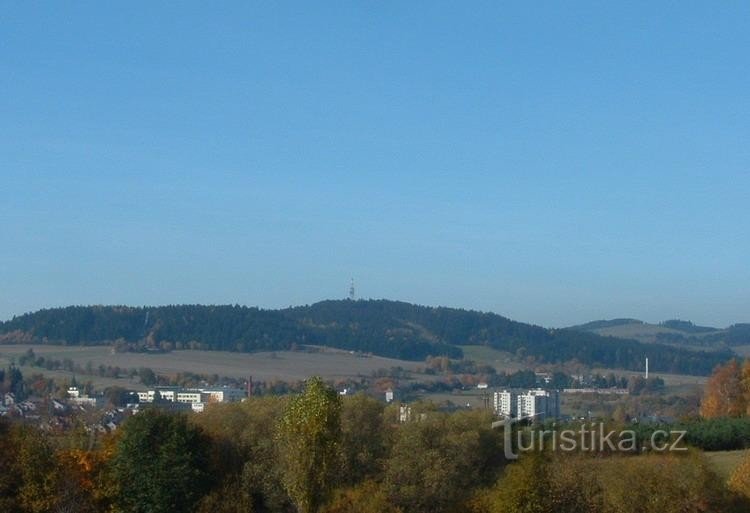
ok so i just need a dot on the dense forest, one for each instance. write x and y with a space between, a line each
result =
386 328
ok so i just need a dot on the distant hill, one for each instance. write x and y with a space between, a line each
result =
687 326
386 328
596 325
673 332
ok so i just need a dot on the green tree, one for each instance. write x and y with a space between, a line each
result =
309 442
366 497
437 459
10 479
362 437
525 487
245 452
160 464
39 491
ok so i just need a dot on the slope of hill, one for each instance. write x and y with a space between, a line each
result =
673 332
386 328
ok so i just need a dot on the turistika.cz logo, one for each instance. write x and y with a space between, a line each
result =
593 437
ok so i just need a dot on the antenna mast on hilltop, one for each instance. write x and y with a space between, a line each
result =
351 290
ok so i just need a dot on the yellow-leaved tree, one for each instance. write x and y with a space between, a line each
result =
740 480
727 391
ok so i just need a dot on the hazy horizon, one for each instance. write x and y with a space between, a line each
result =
552 164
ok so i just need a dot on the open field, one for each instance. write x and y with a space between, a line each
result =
742 350
501 360
724 462
671 380
62 375
282 365
638 331
472 398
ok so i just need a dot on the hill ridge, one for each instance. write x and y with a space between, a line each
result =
379 326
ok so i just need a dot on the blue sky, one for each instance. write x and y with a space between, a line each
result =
555 162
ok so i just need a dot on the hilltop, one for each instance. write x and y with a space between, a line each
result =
385 328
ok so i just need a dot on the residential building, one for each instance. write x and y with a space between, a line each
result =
506 403
537 403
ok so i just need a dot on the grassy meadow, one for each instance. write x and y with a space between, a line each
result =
724 462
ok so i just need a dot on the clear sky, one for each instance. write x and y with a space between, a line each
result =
552 162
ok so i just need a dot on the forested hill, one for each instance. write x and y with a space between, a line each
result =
387 328
221 328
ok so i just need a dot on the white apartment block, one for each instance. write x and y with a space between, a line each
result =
538 404
506 403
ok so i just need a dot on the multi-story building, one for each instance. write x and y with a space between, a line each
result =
537 404
506 403
163 393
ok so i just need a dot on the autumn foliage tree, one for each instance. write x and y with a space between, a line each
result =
728 391
740 480
652 483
